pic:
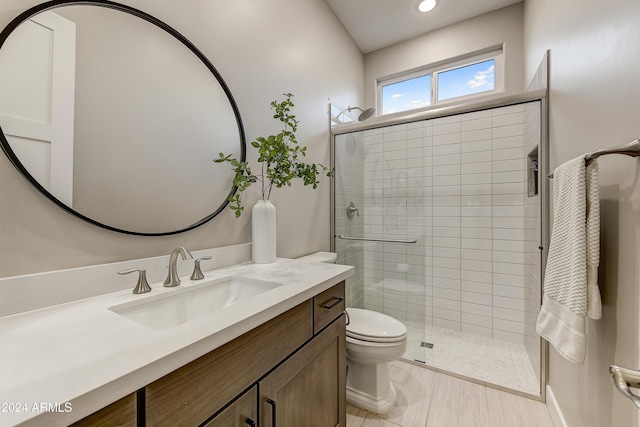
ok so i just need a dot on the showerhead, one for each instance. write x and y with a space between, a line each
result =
365 113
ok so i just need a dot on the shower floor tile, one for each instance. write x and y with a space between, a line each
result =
492 361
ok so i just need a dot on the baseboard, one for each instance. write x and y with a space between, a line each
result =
554 410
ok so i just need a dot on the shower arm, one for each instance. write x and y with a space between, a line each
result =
365 114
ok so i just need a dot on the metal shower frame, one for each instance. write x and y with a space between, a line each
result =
487 103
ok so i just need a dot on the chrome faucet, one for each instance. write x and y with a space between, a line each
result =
172 277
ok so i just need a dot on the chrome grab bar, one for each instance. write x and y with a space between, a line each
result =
624 379
366 239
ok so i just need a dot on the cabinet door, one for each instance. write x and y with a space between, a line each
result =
308 389
241 413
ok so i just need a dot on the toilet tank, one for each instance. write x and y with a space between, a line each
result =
328 257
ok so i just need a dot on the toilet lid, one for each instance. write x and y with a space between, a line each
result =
369 325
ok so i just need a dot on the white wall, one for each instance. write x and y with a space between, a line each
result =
494 28
262 49
594 67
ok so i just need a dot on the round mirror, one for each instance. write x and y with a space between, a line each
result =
116 117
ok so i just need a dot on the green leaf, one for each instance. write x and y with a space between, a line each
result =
279 156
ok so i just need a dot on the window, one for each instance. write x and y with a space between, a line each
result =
467 80
455 79
406 95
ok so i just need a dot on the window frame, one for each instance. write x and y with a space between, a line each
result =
494 52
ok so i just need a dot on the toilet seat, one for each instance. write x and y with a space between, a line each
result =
371 326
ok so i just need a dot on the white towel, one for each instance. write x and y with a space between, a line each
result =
571 278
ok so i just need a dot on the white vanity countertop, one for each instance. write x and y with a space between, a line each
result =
78 357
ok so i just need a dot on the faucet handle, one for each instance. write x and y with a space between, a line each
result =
351 210
197 271
142 286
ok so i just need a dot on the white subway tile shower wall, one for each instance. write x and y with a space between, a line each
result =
457 186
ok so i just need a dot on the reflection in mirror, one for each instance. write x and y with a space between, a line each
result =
117 118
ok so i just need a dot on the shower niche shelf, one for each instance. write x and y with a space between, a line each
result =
532 172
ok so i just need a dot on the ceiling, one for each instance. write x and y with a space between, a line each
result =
374 24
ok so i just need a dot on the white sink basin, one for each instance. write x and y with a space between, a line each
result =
184 304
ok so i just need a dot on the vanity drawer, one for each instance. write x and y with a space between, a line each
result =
327 306
120 413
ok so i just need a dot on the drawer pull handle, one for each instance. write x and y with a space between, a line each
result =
337 301
273 411
250 422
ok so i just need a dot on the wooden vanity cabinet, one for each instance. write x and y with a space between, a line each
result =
241 413
308 389
121 413
191 394
296 360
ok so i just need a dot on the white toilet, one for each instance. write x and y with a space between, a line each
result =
373 341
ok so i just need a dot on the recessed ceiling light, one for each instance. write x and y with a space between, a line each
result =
426 5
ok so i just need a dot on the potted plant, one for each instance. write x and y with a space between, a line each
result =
280 159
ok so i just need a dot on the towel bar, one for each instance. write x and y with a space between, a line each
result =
624 379
629 149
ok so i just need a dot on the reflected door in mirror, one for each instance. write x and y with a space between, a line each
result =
37 81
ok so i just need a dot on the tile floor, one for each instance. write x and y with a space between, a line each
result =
428 398
473 356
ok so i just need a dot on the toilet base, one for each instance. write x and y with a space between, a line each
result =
378 405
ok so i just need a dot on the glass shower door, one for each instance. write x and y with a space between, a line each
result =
381 225
444 225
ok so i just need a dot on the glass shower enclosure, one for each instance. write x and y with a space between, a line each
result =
441 215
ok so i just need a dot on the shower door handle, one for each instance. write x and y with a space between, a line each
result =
624 379
368 239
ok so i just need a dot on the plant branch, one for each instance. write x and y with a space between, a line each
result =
278 155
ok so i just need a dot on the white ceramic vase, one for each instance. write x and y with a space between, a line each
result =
263 232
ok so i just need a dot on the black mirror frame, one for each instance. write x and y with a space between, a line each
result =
29 13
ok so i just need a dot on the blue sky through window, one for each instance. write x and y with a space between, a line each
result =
466 80
406 95
416 92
